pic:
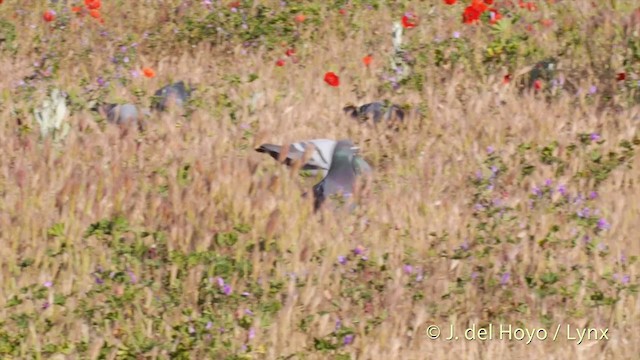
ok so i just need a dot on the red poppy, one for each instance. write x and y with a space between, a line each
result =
621 76
408 21
527 5
488 2
343 11
472 12
148 72
367 60
49 15
95 14
537 85
332 79
449 2
234 4
290 52
280 63
76 9
506 79
546 22
93 4
300 18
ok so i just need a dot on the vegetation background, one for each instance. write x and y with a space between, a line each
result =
511 196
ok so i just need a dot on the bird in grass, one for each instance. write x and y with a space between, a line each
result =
346 166
319 162
126 114
377 111
176 94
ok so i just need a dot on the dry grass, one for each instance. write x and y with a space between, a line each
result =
420 209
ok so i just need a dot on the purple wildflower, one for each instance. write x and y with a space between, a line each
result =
593 89
348 339
220 281
537 191
583 213
474 275
358 250
252 333
408 269
490 149
456 34
342 260
603 224
48 284
505 278
338 324
594 136
245 294
248 312
562 190
625 279
100 81
548 182
593 195
209 325
45 305
133 277
226 289
192 330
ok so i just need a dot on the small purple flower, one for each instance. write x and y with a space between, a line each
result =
537 191
494 170
338 324
248 312
364 258
474 275
348 339
135 73
548 182
226 289
456 34
48 284
252 333
478 207
490 187
593 195
133 277
125 59
408 269
625 279
594 136
45 305
358 250
505 278
420 275
490 150
562 190
623 258
123 49
220 281
245 294
99 280
583 213
593 89
209 325
191 329
100 81
479 174
464 246
233 9
603 224
586 239
342 260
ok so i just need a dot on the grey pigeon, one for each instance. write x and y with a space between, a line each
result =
346 166
320 160
175 94
376 110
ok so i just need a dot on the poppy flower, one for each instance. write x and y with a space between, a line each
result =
234 4
93 4
472 12
537 85
527 5
76 9
332 79
49 15
449 2
300 18
488 2
546 22
148 72
290 52
342 11
408 21
621 76
367 60
506 79
280 63
95 14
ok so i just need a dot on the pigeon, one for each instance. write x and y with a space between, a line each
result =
376 110
346 166
175 94
320 160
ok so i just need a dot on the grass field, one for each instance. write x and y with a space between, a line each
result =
510 197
